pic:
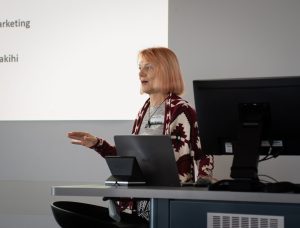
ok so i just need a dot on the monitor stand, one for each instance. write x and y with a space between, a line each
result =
246 151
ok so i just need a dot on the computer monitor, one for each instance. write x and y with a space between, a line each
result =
248 117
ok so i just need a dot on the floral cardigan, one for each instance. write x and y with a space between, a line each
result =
181 124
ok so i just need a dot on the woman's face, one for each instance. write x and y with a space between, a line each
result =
149 81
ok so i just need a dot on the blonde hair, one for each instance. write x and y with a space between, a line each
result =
167 68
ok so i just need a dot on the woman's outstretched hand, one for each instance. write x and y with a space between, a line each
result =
83 138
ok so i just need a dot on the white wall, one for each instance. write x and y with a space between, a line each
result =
238 38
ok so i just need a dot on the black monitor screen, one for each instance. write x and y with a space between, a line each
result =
243 116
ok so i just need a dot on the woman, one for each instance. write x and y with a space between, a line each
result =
163 113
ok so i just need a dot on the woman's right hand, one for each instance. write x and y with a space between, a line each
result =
83 138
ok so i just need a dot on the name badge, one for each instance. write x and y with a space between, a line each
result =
157 120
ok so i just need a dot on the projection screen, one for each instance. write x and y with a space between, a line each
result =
75 59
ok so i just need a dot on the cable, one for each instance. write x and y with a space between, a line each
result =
268 155
263 175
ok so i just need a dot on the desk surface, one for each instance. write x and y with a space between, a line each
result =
185 193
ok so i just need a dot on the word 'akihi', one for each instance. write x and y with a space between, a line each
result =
9 58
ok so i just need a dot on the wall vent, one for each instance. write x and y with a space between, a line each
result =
226 220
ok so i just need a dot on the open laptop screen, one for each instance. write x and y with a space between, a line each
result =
155 156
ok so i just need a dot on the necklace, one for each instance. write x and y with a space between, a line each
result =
148 125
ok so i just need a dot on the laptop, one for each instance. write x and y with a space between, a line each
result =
125 171
154 155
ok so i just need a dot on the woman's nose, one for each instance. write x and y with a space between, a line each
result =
141 74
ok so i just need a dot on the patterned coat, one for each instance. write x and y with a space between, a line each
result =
180 123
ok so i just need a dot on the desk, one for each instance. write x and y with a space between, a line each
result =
188 206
